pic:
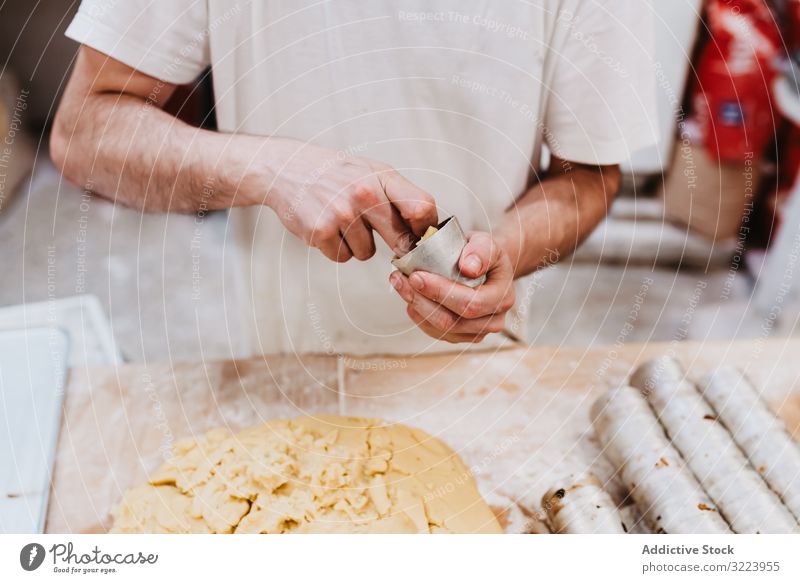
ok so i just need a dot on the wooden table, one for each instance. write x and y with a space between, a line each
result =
519 417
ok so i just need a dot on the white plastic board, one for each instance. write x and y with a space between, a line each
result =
33 366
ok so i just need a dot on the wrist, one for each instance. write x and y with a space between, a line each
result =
257 169
281 172
510 242
252 162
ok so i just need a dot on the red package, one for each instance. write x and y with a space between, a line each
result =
793 25
731 99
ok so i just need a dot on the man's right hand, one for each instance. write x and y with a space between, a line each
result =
333 202
111 135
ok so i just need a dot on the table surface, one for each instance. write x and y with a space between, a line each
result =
518 417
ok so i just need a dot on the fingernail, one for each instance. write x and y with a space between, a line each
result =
416 281
396 282
473 263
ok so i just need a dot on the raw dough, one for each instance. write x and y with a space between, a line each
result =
429 232
322 474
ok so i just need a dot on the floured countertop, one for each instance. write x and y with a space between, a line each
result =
518 417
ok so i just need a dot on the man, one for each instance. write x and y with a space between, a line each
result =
342 120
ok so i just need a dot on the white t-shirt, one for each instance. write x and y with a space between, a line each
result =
458 95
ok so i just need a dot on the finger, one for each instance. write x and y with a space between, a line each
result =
486 325
390 226
497 295
401 286
446 321
359 239
437 316
478 255
416 207
335 249
423 325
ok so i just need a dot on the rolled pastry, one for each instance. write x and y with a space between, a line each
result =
761 435
582 507
711 453
667 494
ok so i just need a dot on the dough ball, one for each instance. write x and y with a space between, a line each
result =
321 474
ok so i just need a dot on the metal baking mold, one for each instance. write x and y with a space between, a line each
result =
439 254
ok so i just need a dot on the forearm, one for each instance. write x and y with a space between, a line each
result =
124 148
111 136
551 219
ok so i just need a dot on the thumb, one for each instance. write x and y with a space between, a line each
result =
416 206
477 256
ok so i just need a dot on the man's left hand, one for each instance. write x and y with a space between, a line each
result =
455 312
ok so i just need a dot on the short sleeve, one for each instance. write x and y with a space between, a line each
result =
166 40
601 104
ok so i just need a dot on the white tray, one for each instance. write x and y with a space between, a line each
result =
33 366
82 317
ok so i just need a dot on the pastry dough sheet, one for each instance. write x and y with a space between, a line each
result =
309 475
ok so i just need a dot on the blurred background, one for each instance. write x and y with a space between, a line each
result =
702 243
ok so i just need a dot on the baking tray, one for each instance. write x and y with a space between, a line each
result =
33 370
